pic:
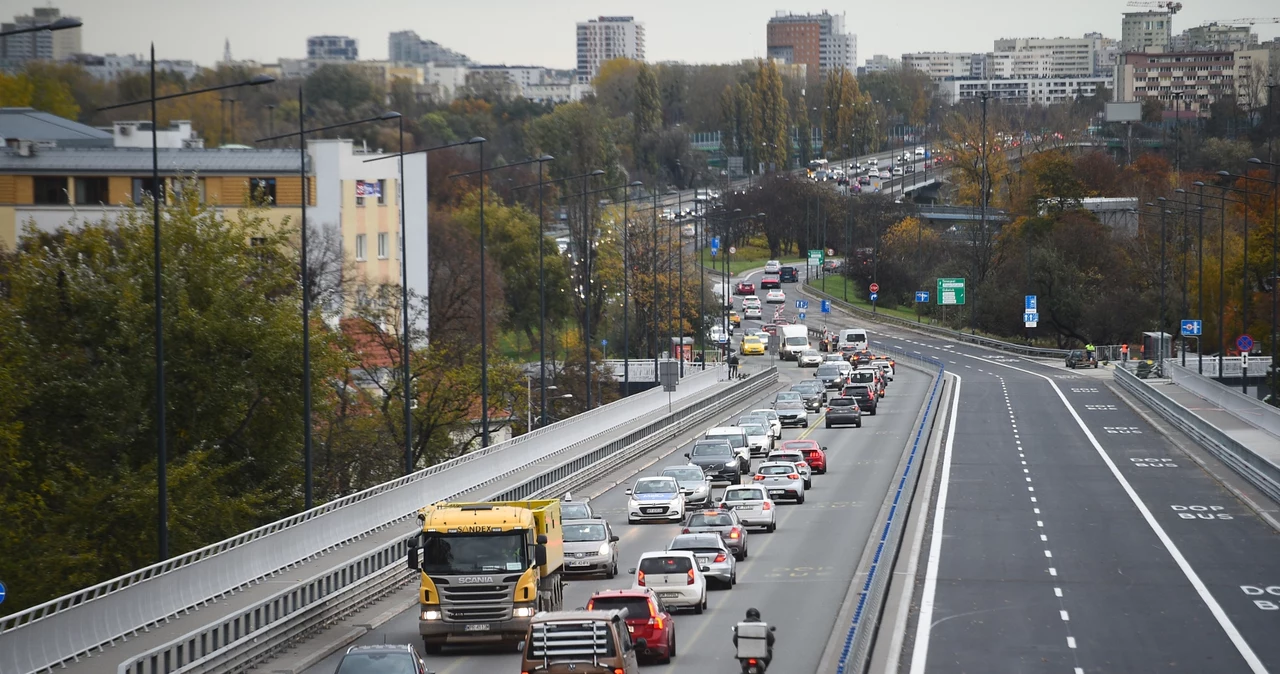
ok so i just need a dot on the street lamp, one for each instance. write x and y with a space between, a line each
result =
626 303
161 442
301 134
1244 273
1222 246
64 23
1275 257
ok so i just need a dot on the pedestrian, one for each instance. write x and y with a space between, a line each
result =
733 366
1124 351
1090 351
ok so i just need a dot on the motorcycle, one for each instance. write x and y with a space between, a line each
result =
753 649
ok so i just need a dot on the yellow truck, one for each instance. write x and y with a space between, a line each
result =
486 569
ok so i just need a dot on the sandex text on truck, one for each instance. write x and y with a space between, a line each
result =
486 569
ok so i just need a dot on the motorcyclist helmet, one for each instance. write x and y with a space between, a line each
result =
753 615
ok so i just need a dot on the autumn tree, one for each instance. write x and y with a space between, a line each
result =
773 123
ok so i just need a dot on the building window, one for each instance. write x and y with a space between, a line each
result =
266 187
143 186
50 190
361 246
198 187
382 192
382 245
91 191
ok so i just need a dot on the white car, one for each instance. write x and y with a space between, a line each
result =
886 368
718 335
774 422
811 358
796 457
897 170
759 438
884 175
753 506
752 312
919 151
781 480
655 498
676 576
775 296
750 301
772 267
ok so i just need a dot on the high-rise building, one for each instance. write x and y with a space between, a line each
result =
604 39
1140 31
42 45
406 47
819 41
1215 37
1057 57
946 65
332 48
1191 81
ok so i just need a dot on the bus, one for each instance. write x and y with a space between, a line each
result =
816 166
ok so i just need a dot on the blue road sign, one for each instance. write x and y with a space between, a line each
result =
715 243
874 296
800 315
1191 327
604 342
826 306
1030 317
922 296
1030 306
3 591
802 304
1244 343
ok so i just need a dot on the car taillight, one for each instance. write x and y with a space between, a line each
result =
802 464
685 530
690 581
640 578
794 476
757 478
720 558
766 506
656 617
735 533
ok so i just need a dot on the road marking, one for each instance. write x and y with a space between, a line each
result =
1071 643
1053 571
1057 592
920 653
1064 615
1048 553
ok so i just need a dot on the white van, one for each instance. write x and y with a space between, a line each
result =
856 338
793 340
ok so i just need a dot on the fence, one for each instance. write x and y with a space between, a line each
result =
43 636
1253 412
252 633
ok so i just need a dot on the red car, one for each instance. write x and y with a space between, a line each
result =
771 282
814 454
646 619
745 288
770 328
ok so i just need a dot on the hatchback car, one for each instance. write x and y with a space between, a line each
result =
775 297
717 459
809 358
775 424
751 301
752 505
884 175
676 576
695 484
646 619
792 413
751 346
831 375
781 480
770 281
744 288
815 394
400 658
843 411
885 367
814 454
772 267
711 552
722 522
796 457
782 396
655 498
590 547
759 438
575 510
788 275
752 313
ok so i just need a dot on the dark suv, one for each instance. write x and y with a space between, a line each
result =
717 459
843 411
382 658
788 275
865 394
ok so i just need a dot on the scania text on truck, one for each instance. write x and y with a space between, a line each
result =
485 569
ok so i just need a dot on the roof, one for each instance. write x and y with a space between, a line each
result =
30 124
557 616
116 160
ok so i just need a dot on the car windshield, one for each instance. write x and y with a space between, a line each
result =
790 405
712 449
786 456
828 370
652 565
711 520
574 511
684 476
787 395
743 495
736 440
779 469
658 486
637 607
753 429
377 663
842 402
767 414
577 533
810 353
447 554
806 387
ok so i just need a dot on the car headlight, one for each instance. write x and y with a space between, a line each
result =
430 615
522 612
604 549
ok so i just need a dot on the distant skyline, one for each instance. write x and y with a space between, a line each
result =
523 33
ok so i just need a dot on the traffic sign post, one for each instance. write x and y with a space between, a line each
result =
816 257
715 245
826 306
802 304
1245 344
1030 318
1030 306
733 250
800 315
875 287
950 291
874 296
3 592
922 296
1191 328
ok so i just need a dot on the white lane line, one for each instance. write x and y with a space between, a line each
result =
1071 643
1053 571
924 625
1057 592
1048 553
1224 621
1064 615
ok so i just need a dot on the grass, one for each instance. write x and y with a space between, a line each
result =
751 256
836 288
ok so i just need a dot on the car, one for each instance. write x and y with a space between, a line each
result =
814 454
744 288
864 180
762 335
809 358
830 265
718 335
676 576
752 419
909 168
796 457
897 171
751 346
655 498
752 313
854 355
768 282
833 358
576 510
782 396
842 411
928 163
831 376
711 552
759 437
775 297
737 438
734 318
590 547
920 151
771 415
788 275
815 394
717 459
772 267
382 658
752 505
864 394
781 480
885 175
647 619
792 413
750 301
695 484
769 328
886 368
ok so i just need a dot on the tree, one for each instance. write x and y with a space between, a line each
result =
41 90
345 87
615 85
647 117
1152 110
773 120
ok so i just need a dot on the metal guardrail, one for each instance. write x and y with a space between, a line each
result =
1257 470
1020 349
256 631
44 636
1249 410
856 653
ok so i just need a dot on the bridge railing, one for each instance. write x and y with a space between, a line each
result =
41 637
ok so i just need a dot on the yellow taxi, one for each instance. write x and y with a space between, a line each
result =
734 318
752 346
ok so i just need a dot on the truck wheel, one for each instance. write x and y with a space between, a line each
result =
432 647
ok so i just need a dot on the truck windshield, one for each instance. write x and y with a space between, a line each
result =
451 554
797 341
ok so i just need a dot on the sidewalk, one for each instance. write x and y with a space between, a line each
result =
1259 441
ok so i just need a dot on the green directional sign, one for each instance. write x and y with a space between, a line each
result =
950 291
816 256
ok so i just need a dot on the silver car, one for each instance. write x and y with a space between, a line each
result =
590 547
781 479
575 510
712 553
753 418
792 456
752 505
810 358
759 439
774 422
695 484
792 413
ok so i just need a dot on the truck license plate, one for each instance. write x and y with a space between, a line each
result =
476 627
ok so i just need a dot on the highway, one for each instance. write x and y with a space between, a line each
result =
797 576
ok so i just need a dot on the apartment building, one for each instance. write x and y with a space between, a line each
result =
1215 37
1054 57
1186 82
406 47
16 50
1142 31
945 65
819 41
1022 90
332 48
604 39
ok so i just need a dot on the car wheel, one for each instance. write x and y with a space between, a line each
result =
805 424
773 526
800 499
671 650
858 425
432 647
873 411
744 555
828 424
613 571
733 580
700 606
808 484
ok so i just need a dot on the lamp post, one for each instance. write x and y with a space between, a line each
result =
64 23
301 134
626 304
156 194
1244 274
1275 254
680 273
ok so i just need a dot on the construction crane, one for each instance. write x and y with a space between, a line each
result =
1252 21
1172 7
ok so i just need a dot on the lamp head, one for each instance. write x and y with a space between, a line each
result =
759 215
737 210
389 115
546 157
1180 191
1254 160
1161 199
1224 174
64 23
636 183
256 80
477 139
1198 183
597 172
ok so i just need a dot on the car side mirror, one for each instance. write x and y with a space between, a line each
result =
614 539
772 628
824 448
627 492
688 457
631 572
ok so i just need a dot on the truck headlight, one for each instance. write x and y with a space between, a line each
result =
523 612
430 615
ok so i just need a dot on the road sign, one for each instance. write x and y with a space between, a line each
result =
875 287
1030 305
800 315
1244 343
604 342
3 591
831 251
802 304
715 243
874 296
733 250
922 296
826 306
950 291
1191 327
1030 317
815 256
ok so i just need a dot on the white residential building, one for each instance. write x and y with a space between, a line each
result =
1140 31
112 66
880 63
604 39
1025 91
944 65
178 136
1062 56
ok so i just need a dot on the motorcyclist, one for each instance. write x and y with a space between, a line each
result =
753 616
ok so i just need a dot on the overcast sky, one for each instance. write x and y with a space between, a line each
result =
542 33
